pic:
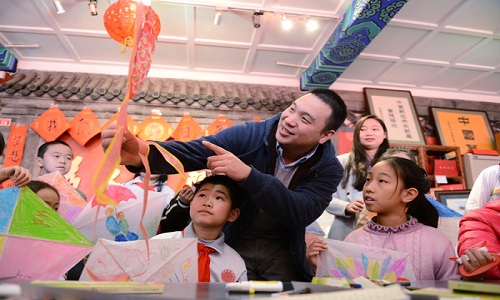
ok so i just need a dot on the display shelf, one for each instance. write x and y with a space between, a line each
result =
426 154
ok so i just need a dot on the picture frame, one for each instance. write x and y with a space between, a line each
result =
453 199
397 110
463 128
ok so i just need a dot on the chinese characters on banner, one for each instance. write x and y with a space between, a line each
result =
15 149
398 117
222 122
51 124
84 126
465 129
187 129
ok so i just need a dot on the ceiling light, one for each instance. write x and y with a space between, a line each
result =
58 5
286 24
256 19
93 7
217 17
312 25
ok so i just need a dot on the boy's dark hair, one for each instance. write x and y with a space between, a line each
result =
2 143
235 191
339 109
413 176
43 148
36 185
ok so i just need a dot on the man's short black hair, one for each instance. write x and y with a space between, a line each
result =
339 109
235 191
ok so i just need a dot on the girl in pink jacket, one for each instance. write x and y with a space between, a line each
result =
406 221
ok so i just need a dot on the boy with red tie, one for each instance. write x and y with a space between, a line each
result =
216 202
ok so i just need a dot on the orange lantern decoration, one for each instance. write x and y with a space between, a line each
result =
119 21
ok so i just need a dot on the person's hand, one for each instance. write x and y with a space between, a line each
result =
355 206
313 250
186 195
224 162
19 175
476 258
131 145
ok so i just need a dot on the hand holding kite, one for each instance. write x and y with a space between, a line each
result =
131 146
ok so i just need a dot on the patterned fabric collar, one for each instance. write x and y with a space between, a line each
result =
372 225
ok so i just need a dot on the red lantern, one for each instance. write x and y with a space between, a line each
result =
119 21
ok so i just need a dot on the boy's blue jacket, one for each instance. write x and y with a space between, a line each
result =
297 206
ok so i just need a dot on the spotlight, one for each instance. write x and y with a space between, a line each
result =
256 19
312 25
58 5
93 7
286 24
217 17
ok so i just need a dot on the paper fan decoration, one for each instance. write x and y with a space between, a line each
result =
51 124
121 222
154 128
187 129
222 122
35 242
71 203
84 126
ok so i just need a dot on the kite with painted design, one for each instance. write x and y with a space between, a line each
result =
35 241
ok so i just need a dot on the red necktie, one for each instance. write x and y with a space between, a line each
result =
151 187
204 262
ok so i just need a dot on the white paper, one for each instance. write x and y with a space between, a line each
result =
441 179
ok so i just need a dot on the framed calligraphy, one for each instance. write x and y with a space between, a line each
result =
467 129
397 110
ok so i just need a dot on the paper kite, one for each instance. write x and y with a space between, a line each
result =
121 222
350 260
71 203
170 260
35 242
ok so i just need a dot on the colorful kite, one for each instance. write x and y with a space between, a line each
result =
71 203
171 260
349 260
35 242
121 222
